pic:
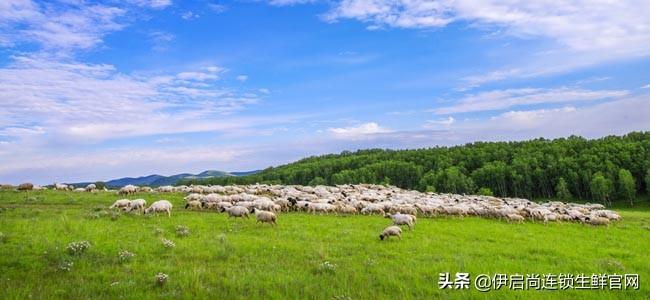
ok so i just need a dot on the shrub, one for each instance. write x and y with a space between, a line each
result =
77 248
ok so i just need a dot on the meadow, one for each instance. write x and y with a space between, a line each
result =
304 257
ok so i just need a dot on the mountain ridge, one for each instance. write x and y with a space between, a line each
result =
155 180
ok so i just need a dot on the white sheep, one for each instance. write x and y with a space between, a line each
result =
121 204
264 216
594 220
91 187
515 218
400 219
138 204
194 204
160 206
127 190
236 211
391 231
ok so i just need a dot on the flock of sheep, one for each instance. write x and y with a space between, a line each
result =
401 206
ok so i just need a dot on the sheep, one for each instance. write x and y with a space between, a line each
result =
160 206
400 219
25 186
121 204
91 187
165 189
60 187
236 212
79 190
389 231
515 218
127 190
372 209
194 204
138 204
321 207
193 196
264 216
594 220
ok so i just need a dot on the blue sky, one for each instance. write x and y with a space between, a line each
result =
97 90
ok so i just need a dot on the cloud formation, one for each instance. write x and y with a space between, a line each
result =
361 131
504 99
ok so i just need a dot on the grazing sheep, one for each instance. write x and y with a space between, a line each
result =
264 216
25 186
389 231
160 206
121 204
515 218
194 204
91 188
60 187
236 212
127 190
138 204
400 219
593 220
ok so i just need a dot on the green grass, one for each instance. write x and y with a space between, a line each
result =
225 258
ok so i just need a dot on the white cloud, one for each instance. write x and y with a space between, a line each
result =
157 4
95 102
444 123
242 78
571 34
289 2
189 15
217 8
160 40
360 131
477 80
64 27
198 76
504 99
617 117
647 86
581 25
48 167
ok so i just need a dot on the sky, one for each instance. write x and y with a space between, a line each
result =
96 90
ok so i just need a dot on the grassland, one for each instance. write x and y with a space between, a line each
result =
225 258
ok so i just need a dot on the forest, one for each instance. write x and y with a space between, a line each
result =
612 168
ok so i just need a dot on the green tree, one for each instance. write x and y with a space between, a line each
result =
485 192
647 181
449 180
561 190
626 185
601 188
317 181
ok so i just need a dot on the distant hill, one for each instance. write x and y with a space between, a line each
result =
160 180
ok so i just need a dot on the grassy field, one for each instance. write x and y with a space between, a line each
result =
225 258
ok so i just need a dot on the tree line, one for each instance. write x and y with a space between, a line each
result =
605 169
